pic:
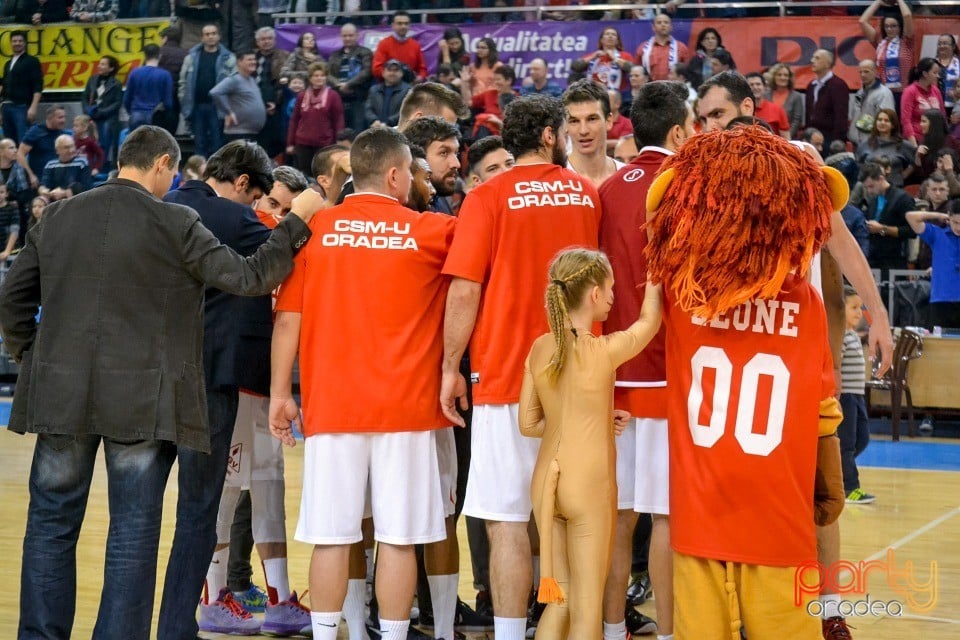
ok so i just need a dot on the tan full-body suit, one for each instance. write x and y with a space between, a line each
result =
574 486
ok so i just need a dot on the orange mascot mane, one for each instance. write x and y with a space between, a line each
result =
744 209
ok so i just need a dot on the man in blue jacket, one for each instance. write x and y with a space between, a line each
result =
205 65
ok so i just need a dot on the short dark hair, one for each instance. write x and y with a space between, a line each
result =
290 177
444 69
113 62
735 85
425 131
936 176
809 132
430 98
322 162
18 32
241 157
151 52
416 151
145 144
507 72
56 106
660 106
871 170
172 34
245 53
374 152
755 74
480 149
525 120
749 121
585 90
849 292
346 134
953 207
398 14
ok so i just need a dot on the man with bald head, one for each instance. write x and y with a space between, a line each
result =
350 70
828 98
866 103
537 82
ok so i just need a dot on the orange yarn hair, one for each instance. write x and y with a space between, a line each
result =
745 208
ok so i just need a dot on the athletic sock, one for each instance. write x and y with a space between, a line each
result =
615 631
443 593
325 624
355 608
666 637
217 573
393 629
510 628
831 605
278 580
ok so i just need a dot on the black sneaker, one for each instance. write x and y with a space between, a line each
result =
534 612
484 604
639 624
467 619
640 589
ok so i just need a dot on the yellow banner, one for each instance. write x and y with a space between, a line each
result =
69 53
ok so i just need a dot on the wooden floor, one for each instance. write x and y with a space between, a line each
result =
917 513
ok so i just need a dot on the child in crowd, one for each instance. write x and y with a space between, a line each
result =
854 432
9 224
85 137
567 399
37 205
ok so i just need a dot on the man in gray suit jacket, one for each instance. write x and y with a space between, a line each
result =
117 359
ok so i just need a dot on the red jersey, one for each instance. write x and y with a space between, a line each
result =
641 383
774 115
372 299
510 228
744 408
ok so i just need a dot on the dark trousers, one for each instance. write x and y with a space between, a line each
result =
854 437
241 545
14 121
200 481
60 479
207 129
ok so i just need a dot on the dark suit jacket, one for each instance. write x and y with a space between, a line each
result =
25 80
120 276
830 112
888 252
236 226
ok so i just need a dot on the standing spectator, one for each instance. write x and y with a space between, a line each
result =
610 64
383 103
894 43
149 89
240 21
944 242
39 145
22 88
102 98
452 52
15 177
205 65
768 111
66 175
171 59
783 94
94 10
537 82
351 73
867 102
828 99
485 61
9 224
662 50
239 97
304 55
88 147
885 140
948 57
887 207
317 117
489 105
400 46
194 16
37 11
269 69
148 318
922 94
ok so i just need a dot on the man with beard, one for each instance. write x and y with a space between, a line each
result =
509 229
440 141
422 190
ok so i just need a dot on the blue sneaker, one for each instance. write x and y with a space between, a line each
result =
253 599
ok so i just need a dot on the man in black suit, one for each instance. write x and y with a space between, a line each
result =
116 360
236 175
21 89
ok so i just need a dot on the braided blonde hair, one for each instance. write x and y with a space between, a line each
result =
572 273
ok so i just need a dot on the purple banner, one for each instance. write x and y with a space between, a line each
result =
518 43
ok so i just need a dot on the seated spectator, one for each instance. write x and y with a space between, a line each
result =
383 103
452 52
94 10
346 137
947 162
88 147
681 72
15 178
637 77
936 136
709 41
37 205
9 224
537 82
485 62
66 175
304 55
814 137
626 149
39 144
447 78
886 141
149 89
621 124
489 105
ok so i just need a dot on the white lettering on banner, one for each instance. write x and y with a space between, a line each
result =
558 193
758 316
370 234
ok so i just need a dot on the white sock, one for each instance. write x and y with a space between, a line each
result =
325 625
615 631
667 637
355 608
831 605
536 571
278 579
217 573
443 593
510 628
393 629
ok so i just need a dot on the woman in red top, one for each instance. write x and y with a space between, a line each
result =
316 119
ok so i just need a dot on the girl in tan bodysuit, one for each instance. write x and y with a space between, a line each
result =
567 399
